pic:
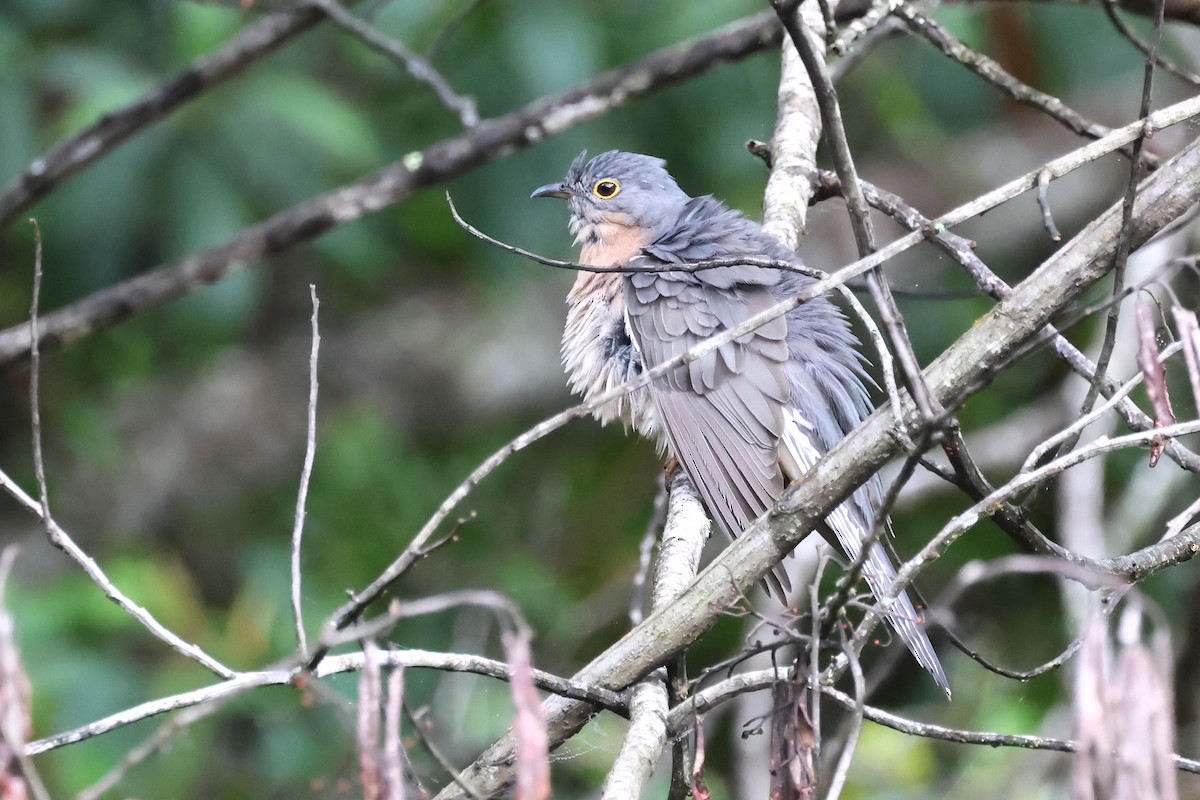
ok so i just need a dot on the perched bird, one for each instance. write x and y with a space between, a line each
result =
747 419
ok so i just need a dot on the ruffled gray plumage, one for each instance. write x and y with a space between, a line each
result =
756 412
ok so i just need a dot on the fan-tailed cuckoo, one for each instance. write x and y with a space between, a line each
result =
742 421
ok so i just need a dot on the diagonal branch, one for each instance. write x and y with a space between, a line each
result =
102 136
489 140
991 71
395 50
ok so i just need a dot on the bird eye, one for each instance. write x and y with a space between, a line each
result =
606 188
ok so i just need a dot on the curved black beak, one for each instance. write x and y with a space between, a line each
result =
551 190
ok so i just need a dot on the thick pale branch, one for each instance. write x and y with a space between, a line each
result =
684 534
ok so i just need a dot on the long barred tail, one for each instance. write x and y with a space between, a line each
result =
850 530
903 617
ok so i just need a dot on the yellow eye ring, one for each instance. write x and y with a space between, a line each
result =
606 188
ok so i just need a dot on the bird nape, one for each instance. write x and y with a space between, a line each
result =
748 418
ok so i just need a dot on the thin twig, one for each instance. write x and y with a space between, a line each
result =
35 372
310 449
858 713
1076 427
1043 199
1121 256
59 537
1150 51
654 527
444 35
886 362
682 717
456 775
395 50
333 665
988 69
154 743
557 263
508 613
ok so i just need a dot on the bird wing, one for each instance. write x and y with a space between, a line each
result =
721 415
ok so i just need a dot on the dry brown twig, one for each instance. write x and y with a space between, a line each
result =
533 753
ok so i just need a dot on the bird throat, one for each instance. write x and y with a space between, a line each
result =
610 243
596 347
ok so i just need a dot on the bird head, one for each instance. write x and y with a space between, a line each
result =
616 187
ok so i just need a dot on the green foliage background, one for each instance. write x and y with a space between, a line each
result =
190 507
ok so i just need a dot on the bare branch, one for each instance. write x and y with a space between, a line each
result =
684 534
684 715
398 52
996 75
310 449
333 665
644 740
794 143
98 139
491 139
876 16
